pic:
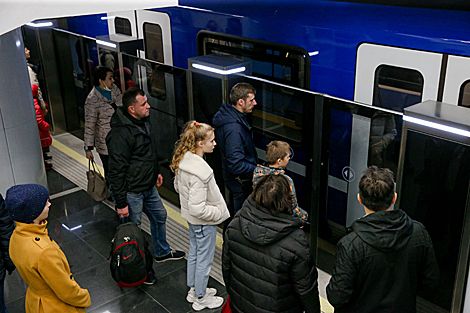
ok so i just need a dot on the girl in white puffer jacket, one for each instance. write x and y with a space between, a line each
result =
202 205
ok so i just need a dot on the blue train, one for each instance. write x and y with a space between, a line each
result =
385 57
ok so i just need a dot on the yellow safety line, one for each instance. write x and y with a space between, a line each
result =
326 307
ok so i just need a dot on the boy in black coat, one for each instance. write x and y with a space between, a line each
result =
387 257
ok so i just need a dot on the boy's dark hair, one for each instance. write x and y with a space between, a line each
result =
273 193
241 91
377 188
277 150
100 72
129 97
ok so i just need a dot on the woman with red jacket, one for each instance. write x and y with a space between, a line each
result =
43 126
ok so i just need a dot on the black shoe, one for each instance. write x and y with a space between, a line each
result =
47 157
173 255
151 279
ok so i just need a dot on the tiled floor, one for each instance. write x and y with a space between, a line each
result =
87 248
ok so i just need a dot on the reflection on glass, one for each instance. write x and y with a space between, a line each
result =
382 133
435 180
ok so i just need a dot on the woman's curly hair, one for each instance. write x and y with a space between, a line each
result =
193 132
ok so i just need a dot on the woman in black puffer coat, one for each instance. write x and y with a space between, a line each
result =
267 264
7 226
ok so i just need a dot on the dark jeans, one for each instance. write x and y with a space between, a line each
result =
236 200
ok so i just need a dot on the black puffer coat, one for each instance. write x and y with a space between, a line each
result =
7 226
133 162
381 265
267 265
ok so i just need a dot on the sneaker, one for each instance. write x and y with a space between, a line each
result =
208 301
192 294
173 255
47 157
151 279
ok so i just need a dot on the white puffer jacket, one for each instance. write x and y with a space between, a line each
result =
200 197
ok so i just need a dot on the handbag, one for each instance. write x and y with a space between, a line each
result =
226 308
96 187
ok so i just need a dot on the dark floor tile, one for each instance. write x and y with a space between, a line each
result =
81 256
168 267
17 306
58 183
101 285
101 241
136 301
72 203
15 287
92 220
59 233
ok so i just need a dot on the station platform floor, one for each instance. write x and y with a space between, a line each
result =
83 228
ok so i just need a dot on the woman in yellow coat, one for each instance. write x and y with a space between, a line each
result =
39 260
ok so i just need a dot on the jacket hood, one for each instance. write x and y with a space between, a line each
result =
119 119
227 114
262 170
194 164
259 226
386 230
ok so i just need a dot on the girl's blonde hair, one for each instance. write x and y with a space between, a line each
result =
193 132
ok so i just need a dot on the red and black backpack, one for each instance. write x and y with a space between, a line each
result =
131 260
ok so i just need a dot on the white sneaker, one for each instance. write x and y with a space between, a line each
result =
192 294
208 301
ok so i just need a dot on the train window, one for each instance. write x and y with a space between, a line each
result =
396 88
122 26
153 41
285 64
464 97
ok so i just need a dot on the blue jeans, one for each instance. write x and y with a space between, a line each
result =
201 254
150 203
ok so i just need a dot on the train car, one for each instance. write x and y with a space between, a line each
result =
385 57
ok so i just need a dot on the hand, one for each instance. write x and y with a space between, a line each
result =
124 212
45 111
159 180
89 155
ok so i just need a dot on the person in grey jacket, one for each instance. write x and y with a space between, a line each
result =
202 205
100 105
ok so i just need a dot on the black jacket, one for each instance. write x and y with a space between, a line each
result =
267 265
7 226
133 163
234 136
381 265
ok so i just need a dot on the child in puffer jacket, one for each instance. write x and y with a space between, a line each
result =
278 156
43 127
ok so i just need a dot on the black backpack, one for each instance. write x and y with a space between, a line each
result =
131 260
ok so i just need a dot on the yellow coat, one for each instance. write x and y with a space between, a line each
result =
44 267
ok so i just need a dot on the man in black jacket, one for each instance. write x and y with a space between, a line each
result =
133 170
387 257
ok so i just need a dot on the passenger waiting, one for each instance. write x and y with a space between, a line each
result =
278 156
267 265
100 105
39 260
386 258
202 205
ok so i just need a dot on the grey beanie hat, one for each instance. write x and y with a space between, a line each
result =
26 202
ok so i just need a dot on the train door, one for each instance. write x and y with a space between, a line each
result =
457 84
392 78
123 23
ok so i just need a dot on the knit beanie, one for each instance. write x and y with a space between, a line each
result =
26 202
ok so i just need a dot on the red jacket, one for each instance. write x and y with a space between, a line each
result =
43 126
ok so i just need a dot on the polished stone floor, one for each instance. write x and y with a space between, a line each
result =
83 228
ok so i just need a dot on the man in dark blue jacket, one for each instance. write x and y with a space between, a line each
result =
387 257
234 136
